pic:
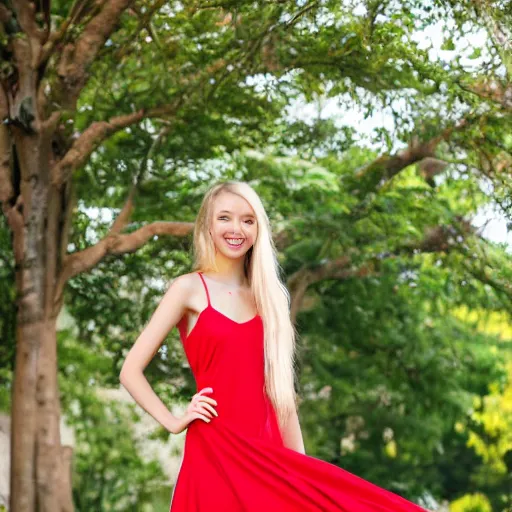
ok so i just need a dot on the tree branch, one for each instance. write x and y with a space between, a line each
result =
436 239
301 12
491 90
25 14
56 37
88 142
97 132
384 168
76 58
117 244
92 137
299 282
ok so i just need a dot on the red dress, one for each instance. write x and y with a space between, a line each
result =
237 462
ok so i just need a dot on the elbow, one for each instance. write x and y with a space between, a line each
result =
128 373
123 375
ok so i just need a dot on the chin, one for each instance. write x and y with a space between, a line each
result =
232 256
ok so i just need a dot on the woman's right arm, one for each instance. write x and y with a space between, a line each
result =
168 313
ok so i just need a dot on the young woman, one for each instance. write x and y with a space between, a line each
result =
243 448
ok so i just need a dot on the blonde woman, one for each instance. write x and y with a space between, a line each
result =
243 448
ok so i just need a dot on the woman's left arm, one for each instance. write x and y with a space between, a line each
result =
292 435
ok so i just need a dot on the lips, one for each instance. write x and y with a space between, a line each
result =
235 242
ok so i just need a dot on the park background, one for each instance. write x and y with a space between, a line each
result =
378 134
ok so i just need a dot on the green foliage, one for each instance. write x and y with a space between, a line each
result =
7 316
385 357
108 471
471 503
400 385
489 434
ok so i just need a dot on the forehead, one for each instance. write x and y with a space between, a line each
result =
232 203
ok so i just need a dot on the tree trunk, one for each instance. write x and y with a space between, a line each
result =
40 476
40 466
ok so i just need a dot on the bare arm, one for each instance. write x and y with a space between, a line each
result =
292 435
165 317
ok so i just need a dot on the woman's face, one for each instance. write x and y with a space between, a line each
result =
233 226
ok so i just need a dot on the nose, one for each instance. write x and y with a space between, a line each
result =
237 227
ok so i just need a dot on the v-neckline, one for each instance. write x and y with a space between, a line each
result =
199 317
230 319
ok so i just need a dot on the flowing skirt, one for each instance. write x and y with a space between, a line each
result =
223 470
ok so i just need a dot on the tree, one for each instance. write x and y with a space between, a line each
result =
75 79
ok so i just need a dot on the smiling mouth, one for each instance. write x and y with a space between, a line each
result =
235 242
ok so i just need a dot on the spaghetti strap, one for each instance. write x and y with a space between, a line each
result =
205 287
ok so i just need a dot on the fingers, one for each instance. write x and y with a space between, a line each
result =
210 408
202 405
206 409
202 398
204 390
198 416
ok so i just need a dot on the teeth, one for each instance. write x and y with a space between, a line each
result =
234 241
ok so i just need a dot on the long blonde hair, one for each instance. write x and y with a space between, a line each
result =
270 294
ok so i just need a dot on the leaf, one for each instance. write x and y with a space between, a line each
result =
448 45
477 52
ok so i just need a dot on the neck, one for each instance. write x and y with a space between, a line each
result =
230 271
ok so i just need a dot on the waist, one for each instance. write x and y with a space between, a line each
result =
243 426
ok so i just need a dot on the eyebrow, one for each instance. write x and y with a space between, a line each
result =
243 215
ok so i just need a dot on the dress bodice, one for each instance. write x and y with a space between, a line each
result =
228 356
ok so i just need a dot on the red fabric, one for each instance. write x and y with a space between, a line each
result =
237 462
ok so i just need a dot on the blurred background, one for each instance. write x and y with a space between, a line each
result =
378 134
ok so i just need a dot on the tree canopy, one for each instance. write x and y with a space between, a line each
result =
118 115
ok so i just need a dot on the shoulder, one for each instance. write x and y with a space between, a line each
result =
187 290
183 290
186 283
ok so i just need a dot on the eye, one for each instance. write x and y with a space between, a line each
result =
250 221
223 217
